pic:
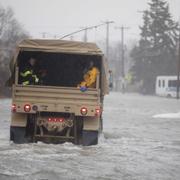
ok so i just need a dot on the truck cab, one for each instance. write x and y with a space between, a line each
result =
57 110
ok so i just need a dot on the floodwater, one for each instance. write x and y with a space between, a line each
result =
137 144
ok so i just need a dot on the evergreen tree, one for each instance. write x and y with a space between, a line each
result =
163 29
156 53
145 31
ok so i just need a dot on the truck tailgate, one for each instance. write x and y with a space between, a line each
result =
55 95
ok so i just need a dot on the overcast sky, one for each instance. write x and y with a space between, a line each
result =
60 17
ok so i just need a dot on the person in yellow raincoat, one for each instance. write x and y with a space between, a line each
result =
89 79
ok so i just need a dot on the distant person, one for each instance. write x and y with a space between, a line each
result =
111 79
90 76
28 75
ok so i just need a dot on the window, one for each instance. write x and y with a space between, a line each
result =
163 83
172 83
159 82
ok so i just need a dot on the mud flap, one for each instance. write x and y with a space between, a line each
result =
90 138
17 135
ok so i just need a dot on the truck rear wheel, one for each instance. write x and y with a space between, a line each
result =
18 135
90 138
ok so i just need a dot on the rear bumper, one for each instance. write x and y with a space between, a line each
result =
60 108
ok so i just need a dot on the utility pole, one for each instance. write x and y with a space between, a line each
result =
122 28
71 38
44 35
85 37
107 38
122 46
85 34
178 69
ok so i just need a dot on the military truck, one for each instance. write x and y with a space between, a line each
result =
58 111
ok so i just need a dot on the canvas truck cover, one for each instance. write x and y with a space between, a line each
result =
62 46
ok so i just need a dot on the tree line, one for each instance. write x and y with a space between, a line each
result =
156 52
11 33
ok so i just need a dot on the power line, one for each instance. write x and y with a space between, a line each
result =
107 23
83 29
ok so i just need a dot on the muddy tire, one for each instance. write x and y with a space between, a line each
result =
17 135
169 96
90 138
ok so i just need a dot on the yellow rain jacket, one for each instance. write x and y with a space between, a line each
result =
90 78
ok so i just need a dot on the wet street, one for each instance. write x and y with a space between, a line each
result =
141 141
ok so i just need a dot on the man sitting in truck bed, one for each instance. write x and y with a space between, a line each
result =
27 74
90 76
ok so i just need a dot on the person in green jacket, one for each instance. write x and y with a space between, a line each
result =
28 75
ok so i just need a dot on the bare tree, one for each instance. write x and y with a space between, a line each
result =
11 32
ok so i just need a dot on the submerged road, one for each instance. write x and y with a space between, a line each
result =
141 141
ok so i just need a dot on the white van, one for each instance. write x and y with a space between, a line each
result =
166 86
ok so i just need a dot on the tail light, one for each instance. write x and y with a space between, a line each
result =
61 119
13 107
27 108
98 112
56 120
84 111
